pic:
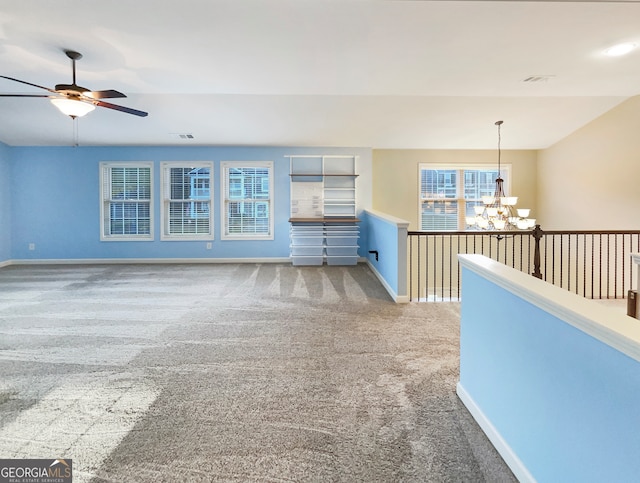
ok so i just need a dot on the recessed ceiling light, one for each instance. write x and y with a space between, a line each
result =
620 49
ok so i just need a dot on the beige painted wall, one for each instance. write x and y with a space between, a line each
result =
396 183
591 179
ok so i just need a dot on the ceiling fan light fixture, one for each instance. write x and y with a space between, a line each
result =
72 107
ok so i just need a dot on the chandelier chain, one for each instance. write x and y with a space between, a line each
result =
499 124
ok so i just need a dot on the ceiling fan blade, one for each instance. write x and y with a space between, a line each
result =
108 94
128 110
27 83
25 95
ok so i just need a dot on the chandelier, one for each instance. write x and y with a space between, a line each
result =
498 212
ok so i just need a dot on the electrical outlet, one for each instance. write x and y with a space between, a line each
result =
209 245
32 246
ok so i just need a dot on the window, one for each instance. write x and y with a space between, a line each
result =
448 193
247 200
186 205
126 201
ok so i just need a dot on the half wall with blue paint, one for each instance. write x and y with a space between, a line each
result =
387 240
5 204
551 377
55 202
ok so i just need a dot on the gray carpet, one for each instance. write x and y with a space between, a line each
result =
232 372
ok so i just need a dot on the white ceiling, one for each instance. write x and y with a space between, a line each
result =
370 73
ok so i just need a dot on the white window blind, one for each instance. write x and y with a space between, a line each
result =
187 195
126 197
247 199
439 193
448 193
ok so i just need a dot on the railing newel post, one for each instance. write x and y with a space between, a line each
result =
537 236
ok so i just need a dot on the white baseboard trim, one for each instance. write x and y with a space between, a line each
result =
399 299
115 261
108 261
517 466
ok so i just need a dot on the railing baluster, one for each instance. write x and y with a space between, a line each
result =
553 259
577 261
616 267
623 265
607 285
545 258
630 267
441 265
419 265
450 280
458 265
600 268
584 268
569 263
561 257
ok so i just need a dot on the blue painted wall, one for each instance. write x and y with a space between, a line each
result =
55 197
382 236
564 402
5 203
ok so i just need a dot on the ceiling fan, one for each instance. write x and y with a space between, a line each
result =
74 100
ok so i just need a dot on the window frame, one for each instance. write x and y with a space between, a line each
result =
165 169
225 166
505 173
105 198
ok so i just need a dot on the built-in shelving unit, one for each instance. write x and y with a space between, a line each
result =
323 210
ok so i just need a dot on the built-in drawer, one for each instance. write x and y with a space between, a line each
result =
307 251
342 251
341 240
339 260
303 260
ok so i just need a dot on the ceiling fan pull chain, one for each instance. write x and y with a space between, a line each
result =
75 131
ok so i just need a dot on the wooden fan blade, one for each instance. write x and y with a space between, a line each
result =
27 83
108 94
25 95
128 110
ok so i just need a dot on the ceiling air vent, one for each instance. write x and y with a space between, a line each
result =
183 135
538 78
